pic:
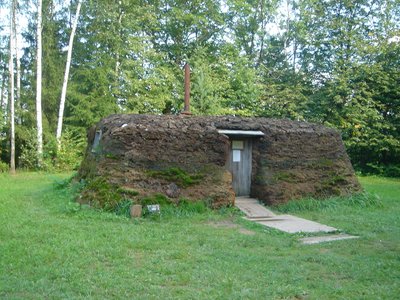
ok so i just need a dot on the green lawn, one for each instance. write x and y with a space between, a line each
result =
49 251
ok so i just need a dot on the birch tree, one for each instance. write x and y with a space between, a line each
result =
11 78
66 75
3 98
17 60
39 84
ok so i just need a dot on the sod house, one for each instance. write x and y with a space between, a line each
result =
213 159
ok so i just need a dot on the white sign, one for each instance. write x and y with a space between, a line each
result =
236 155
155 208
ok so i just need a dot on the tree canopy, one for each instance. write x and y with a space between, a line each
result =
330 62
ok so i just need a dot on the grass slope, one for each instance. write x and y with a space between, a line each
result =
49 251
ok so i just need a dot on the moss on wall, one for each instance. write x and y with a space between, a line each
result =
177 175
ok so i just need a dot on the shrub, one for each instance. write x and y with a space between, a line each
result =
28 157
71 151
392 171
67 158
4 168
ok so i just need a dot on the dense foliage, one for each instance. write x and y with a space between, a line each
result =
331 62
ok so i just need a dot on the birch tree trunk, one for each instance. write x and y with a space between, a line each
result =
3 105
117 63
18 62
39 85
66 75
11 70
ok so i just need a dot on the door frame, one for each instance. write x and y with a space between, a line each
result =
248 136
239 164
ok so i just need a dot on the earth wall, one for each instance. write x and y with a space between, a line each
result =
183 157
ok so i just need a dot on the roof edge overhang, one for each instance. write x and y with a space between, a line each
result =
248 133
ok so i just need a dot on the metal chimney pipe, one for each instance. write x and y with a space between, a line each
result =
186 108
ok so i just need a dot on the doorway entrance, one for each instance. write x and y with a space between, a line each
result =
239 164
240 161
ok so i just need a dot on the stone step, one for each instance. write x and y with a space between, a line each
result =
253 209
327 238
292 224
267 219
247 200
261 218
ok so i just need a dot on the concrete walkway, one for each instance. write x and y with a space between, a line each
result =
258 213
292 224
252 208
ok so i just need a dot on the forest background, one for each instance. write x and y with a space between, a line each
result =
333 62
